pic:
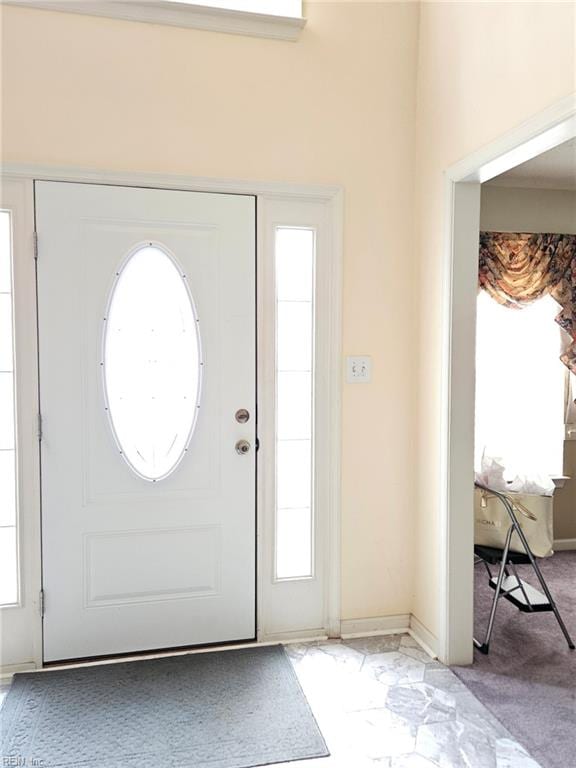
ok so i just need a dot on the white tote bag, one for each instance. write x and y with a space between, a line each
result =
534 514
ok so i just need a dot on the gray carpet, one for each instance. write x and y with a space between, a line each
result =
529 678
227 709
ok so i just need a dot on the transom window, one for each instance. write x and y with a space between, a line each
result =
277 19
289 8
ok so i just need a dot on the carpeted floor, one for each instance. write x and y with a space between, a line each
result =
528 680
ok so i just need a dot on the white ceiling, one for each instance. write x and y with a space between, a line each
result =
555 169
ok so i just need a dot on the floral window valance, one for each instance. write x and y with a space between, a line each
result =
516 269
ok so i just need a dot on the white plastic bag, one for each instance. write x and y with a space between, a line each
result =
492 476
537 485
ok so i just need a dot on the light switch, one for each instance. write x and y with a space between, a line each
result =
358 368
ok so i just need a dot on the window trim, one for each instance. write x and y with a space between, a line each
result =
21 622
179 15
306 606
313 463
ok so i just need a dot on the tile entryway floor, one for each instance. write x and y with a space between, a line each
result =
383 702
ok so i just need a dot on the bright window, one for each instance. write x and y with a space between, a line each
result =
8 495
294 265
291 8
152 365
520 387
275 19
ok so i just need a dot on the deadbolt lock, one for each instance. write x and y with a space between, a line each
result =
242 415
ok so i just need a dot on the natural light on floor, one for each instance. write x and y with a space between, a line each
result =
520 387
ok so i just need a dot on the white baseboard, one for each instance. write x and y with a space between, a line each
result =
564 544
423 637
379 625
399 624
299 636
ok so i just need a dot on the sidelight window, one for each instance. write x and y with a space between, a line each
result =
8 474
294 268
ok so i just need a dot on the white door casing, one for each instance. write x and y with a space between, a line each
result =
304 606
545 130
22 626
129 564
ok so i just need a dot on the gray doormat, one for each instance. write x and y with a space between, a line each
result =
225 709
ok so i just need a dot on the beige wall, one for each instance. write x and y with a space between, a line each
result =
565 498
337 107
509 209
483 69
505 209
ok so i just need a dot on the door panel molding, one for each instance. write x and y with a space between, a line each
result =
100 546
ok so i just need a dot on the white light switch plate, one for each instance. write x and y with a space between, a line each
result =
358 368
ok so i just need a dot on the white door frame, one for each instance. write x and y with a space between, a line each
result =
542 132
17 191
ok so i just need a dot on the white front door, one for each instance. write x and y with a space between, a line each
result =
146 307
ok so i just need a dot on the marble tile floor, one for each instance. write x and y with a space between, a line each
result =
382 702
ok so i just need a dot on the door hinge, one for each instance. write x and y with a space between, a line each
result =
39 427
35 242
42 603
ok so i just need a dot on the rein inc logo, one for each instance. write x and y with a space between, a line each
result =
16 761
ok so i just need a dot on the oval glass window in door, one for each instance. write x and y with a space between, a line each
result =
152 362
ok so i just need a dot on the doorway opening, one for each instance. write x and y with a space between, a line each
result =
547 130
520 434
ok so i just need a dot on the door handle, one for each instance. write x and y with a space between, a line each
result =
242 447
